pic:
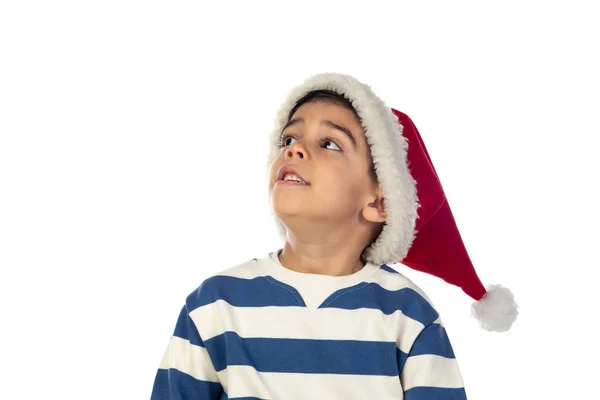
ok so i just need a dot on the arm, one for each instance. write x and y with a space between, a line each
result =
186 371
430 371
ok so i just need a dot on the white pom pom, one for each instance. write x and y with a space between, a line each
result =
497 310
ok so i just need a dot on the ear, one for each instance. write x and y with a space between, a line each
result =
374 211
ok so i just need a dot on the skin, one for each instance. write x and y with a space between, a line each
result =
330 222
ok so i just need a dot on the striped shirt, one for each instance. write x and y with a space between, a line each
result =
262 331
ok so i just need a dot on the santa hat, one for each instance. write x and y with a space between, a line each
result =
420 231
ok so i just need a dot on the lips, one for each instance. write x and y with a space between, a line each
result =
288 169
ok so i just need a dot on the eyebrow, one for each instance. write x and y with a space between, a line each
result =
325 122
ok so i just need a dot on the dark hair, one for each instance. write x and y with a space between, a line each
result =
336 98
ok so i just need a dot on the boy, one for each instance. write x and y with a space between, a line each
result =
326 317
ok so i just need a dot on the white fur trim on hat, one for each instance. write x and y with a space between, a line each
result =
388 148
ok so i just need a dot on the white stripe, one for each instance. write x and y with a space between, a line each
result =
306 323
190 359
164 364
247 270
392 281
431 370
245 381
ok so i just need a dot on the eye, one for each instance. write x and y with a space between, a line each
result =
331 141
284 141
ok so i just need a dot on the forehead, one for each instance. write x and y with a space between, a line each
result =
331 113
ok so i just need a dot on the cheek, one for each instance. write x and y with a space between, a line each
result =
340 184
274 168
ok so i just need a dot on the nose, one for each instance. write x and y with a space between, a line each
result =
289 153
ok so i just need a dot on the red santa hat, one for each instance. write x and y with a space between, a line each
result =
420 230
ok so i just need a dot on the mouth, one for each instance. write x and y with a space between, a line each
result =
291 183
295 176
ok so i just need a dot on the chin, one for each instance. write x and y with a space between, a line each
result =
287 211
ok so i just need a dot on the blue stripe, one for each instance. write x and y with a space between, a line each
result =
186 329
160 390
430 393
387 268
173 384
433 339
400 359
257 292
304 355
371 295
292 290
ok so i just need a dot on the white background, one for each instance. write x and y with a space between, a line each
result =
132 166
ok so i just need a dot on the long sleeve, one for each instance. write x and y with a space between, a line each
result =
186 371
430 370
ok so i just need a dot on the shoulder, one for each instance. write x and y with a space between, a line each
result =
405 295
224 281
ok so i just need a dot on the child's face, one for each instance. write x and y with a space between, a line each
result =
337 171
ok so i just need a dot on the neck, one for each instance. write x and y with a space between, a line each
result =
316 259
